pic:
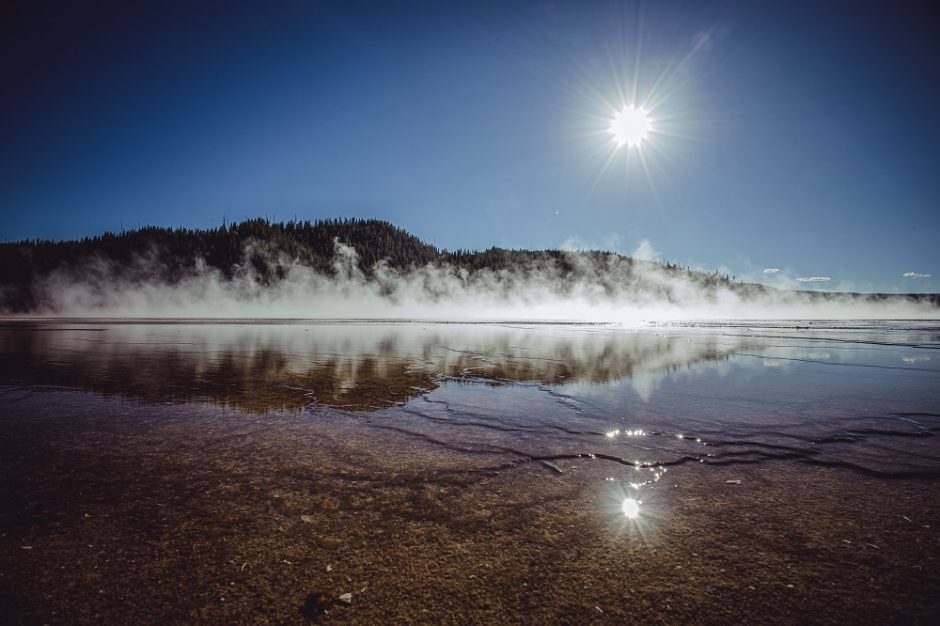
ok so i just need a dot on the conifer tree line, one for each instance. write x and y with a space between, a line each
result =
267 248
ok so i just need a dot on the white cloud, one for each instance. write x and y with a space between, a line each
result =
645 251
771 270
813 279
915 275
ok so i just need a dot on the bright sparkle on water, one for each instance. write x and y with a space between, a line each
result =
631 507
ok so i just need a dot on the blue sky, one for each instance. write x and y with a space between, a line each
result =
795 136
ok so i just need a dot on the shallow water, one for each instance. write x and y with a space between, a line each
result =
633 437
862 396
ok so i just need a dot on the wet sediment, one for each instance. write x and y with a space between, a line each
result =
414 474
117 512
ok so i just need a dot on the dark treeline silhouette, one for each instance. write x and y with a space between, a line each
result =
267 249
174 253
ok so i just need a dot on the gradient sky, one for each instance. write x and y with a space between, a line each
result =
801 136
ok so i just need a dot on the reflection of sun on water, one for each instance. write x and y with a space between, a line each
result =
636 432
631 507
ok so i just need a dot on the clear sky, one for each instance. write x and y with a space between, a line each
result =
798 136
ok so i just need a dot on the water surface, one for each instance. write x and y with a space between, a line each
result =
457 450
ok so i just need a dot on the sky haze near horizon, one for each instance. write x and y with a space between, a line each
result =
797 137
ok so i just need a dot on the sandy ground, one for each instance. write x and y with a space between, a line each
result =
117 513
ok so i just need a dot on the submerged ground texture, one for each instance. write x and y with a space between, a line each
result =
473 499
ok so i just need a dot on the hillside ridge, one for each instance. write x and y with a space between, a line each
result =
268 251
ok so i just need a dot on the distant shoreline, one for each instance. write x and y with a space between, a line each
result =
273 321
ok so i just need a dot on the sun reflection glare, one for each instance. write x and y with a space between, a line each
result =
635 432
631 507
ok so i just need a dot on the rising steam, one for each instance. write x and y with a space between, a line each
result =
587 288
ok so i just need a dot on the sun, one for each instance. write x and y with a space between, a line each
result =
630 126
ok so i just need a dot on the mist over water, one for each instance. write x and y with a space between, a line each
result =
588 289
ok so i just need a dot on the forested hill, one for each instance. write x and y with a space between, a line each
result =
268 251
170 254
227 248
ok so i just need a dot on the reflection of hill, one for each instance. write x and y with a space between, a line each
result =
357 366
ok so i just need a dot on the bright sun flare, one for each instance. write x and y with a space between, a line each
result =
630 126
631 508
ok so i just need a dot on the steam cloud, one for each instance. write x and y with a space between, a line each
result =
645 251
591 288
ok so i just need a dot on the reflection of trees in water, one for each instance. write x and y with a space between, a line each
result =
356 366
